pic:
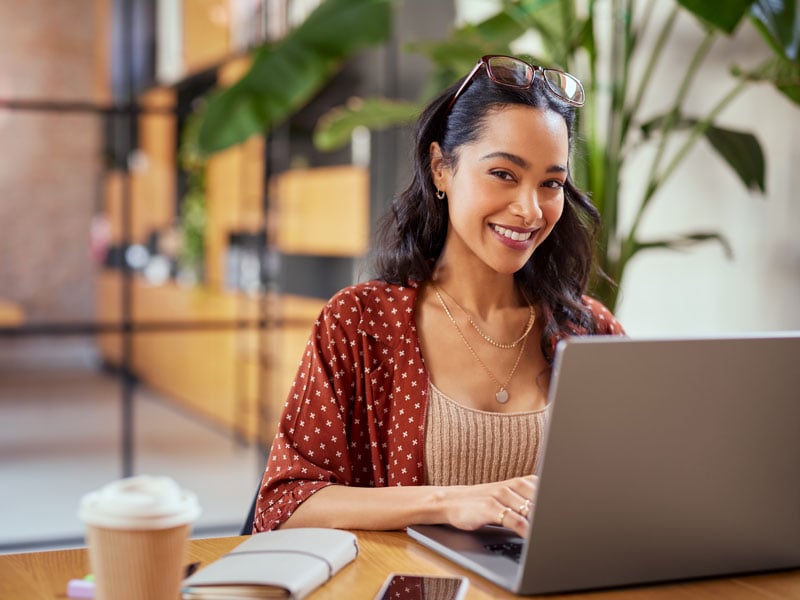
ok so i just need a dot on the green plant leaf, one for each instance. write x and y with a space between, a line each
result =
584 37
685 241
334 128
558 28
786 77
469 42
782 73
779 23
725 15
742 152
654 125
499 29
284 77
453 58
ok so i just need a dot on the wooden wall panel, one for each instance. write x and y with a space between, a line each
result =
322 211
216 374
206 33
153 174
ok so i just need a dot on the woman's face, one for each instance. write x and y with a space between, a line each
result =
505 192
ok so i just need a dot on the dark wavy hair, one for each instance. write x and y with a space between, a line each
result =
411 235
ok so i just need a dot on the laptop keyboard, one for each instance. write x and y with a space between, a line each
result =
512 550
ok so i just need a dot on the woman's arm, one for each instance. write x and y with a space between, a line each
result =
353 414
464 507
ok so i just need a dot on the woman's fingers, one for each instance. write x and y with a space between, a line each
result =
516 500
506 503
517 494
511 519
514 503
526 486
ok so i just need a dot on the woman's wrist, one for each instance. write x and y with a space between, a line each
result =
438 507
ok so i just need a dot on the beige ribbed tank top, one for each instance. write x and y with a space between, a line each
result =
465 446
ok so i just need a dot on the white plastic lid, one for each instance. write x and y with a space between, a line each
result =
141 502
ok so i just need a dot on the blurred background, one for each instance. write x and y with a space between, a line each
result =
161 264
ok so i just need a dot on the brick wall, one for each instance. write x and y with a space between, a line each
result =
49 161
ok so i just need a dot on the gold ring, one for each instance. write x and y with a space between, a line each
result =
524 508
502 515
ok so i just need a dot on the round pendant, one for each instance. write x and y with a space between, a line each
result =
502 396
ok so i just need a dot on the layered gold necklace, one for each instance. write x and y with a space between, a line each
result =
502 394
525 332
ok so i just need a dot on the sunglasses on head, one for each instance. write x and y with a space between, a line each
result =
513 72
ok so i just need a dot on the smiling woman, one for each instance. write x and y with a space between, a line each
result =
509 188
421 397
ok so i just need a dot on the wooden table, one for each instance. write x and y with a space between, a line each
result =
44 575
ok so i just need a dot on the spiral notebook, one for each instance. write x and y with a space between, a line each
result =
287 563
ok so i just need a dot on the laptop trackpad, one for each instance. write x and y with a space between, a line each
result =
493 552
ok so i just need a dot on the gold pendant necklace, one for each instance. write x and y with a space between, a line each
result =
525 332
501 395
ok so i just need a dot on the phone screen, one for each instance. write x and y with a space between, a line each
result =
423 587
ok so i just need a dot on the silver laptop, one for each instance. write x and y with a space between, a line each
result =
665 459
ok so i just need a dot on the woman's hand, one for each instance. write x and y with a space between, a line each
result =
505 503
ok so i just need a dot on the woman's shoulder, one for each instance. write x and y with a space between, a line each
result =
375 306
375 294
607 323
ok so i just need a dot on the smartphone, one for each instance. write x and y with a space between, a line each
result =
402 586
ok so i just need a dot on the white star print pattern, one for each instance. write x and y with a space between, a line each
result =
356 412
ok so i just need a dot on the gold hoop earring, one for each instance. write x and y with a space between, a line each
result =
440 194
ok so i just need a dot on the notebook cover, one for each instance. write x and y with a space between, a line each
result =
295 561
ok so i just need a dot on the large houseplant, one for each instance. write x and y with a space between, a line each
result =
569 36
612 125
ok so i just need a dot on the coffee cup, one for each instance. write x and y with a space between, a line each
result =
136 530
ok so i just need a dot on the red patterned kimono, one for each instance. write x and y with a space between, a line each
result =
356 412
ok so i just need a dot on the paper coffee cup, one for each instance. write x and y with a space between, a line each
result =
136 530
